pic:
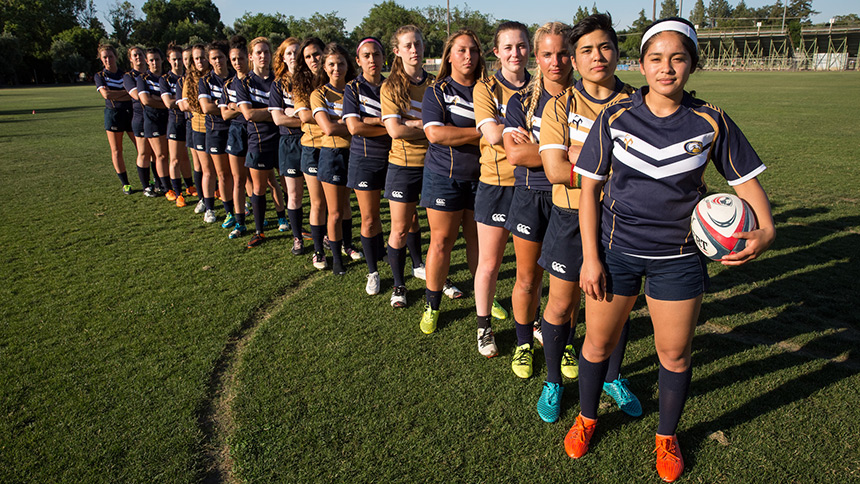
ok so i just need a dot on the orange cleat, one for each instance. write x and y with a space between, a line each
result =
577 438
180 201
670 462
218 194
191 191
171 196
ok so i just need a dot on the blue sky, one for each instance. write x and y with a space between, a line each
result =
623 12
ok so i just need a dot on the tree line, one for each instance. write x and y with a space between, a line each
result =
47 41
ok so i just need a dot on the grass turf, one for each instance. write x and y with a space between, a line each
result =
118 311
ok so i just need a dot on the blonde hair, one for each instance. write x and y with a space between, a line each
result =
279 67
397 81
530 96
445 69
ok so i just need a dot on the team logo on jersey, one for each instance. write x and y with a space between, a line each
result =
524 229
335 178
229 147
173 136
396 194
200 148
498 217
213 150
559 267
693 147
628 140
156 134
114 128
440 202
312 169
362 184
291 171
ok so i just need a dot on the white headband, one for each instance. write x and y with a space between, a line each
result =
672 25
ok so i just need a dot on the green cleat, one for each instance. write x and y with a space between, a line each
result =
429 319
569 363
522 361
498 311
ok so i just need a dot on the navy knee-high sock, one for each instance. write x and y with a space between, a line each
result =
176 184
674 388
434 298
259 204
336 256
346 229
369 247
413 242
525 333
165 182
143 176
295 216
590 385
189 182
228 206
209 203
554 341
613 371
123 178
317 234
397 260
198 182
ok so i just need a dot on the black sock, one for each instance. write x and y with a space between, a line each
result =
295 216
397 261
673 388
525 333
590 385
123 178
434 298
483 322
317 234
228 205
413 242
198 182
613 371
143 176
209 203
368 245
554 341
189 182
281 214
336 257
259 203
176 183
240 217
346 229
165 182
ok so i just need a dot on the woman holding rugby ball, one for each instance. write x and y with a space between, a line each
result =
641 225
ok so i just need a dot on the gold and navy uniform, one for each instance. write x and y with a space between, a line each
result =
533 178
230 97
171 85
658 167
361 100
155 119
280 99
491 97
254 90
111 81
406 152
448 102
327 99
211 87
566 122
312 137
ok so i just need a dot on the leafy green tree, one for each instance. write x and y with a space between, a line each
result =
123 18
383 19
262 25
66 61
177 21
719 11
329 27
668 8
12 58
581 13
85 43
697 15
629 39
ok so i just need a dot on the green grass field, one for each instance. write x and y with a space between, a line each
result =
138 344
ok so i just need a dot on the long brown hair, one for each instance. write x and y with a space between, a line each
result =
279 67
397 81
305 81
189 87
445 69
533 91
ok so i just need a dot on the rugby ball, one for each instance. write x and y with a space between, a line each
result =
715 219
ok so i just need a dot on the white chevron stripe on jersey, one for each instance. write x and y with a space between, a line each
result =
457 100
658 172
370 111
461 111
651 151
369 101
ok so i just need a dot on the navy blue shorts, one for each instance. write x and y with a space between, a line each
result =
492 204
403 184
198 141
447 194
262 161
237 140
333 166
561 253
366 173
531 217
137 125
676 279
177 132
216 142
290 155
154 122
118 120
310 160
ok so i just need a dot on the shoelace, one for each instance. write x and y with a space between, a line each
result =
623 393
580 429
667 450
486 337
567 358
552 394
521 356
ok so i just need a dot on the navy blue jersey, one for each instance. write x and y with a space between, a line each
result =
112 81
171 85
515 117
254 90
448 102
658 167
230 88
281 98
148 83
361 100
129 83
211 87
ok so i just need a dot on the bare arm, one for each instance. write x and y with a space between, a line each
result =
758 240
230 111
259 115
492 132
367 127
451 135
209 107
397 129
522 150
115 95
556 165
281 118
329 127
148 100
168 100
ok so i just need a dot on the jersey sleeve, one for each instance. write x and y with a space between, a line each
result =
100 81
317 102
389 109
142 86
242 96
128 82
596 155
554 128
484 103
276 97
732 153
351 106
203 90
221 100
514 115
433 107
164 84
